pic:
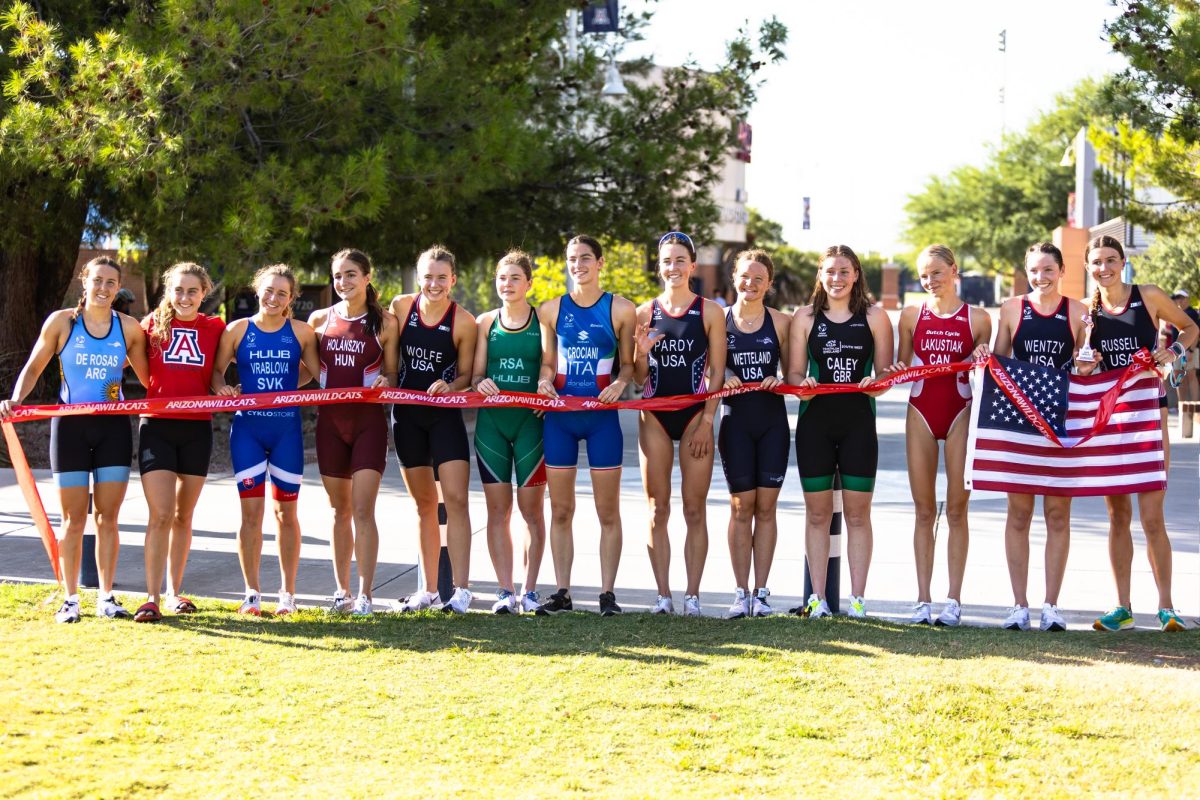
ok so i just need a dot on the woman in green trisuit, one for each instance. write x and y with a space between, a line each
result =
508 441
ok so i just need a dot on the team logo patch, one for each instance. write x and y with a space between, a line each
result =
248 483
184 348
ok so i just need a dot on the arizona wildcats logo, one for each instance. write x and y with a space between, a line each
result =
184 348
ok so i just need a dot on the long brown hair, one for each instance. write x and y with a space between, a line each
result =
860 295
363 261
98 261
164 313
272 270
1096 244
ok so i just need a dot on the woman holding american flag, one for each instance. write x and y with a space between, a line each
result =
1127 320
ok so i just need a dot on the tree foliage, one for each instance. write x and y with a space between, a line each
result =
1156 104
248 131
624 273
990 214
1171 263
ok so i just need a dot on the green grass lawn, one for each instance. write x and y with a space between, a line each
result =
215 705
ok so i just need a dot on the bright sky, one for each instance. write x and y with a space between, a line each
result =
878 95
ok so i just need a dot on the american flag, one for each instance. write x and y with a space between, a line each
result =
1037 430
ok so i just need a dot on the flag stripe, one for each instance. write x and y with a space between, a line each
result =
1121 453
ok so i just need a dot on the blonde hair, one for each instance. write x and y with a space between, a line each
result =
98 261
276 270
941 252
164 313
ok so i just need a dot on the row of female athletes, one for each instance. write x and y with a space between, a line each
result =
586 343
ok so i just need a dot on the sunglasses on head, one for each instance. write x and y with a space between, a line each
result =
676 235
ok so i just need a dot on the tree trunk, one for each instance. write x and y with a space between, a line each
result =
35 270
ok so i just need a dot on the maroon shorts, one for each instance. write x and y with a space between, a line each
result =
351 437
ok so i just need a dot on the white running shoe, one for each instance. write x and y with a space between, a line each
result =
691 606
663 605
922 614
951 614
760 607
286 604
1052 621
506 603
1017 619
741 606
362 607
459 602
252 605
111 609
417 601
341 602
530 602
858 608
817 608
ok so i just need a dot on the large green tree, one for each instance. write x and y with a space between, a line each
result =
247 131
1156 100
990 214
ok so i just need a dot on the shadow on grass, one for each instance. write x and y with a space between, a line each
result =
637 637
689 642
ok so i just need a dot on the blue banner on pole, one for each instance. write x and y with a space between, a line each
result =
807 218
602 17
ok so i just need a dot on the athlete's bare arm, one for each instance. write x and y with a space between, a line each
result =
317 320
53 336
643 342
783 330
714 328
907 327
1005 330
310 356
389 340
464 343
981 326
135 348
480 381
624 319
797 364
547 319
227 353
885 346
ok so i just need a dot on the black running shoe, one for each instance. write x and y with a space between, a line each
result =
556 603
608 605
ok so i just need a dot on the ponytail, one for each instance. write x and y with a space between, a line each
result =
374 311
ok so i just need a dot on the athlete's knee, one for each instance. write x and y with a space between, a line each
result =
660 513
1120 516
956 513
743 510
1020 516
161 518
856 517
926 514
694 514
363 512
764 511
1057 518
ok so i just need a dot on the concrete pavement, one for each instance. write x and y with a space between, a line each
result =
213 567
